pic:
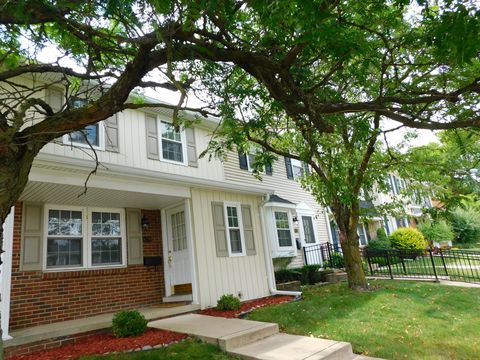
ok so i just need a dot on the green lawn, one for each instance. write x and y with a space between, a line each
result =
399 320
185 350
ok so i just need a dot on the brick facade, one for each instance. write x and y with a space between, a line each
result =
42 298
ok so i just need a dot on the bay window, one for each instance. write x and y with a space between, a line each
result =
282 224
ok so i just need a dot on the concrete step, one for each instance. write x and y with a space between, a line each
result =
178 298
225 333
293 347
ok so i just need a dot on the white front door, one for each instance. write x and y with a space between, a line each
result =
178 259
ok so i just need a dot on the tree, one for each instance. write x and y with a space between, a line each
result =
306 74
449 168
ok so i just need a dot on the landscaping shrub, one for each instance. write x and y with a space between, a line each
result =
127 323
337 261
466 225
438 231
407 239
228 302
382 234
379 244
286 275
310 274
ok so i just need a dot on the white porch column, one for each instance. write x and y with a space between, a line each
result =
5 273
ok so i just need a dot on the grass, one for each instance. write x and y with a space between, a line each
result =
399 320
185 350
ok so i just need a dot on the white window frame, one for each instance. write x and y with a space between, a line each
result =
101 139
183 138
290 225
299 164
250 166
365 230
238 206
86 238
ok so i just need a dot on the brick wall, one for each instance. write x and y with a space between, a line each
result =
41 298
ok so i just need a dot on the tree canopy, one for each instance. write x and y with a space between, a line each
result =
312 79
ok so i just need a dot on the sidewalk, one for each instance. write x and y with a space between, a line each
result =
255 340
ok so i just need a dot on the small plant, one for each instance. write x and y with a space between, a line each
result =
228 302
127 323
287 275
310 274
408 239
337 261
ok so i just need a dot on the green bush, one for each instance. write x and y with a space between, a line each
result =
379 244
228 302
382 234
407 238
286 275
337 261
466 225
310 274
128 323
439 231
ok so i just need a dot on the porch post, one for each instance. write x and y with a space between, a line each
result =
6 272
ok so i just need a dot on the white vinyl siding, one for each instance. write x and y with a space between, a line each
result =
226 275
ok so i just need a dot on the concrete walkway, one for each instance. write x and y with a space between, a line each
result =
255 340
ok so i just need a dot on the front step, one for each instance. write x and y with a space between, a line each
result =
293 347
225 333
178 298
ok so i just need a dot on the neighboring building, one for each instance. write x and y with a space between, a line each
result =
154 224
413 209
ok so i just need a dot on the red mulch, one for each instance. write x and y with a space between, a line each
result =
104 343
247 306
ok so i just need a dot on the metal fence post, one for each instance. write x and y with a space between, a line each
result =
388 263
433 264
330 255
369 262
443 262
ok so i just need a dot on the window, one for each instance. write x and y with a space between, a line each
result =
282 224
172 143
64 238
308 229
297 168
75 240
362 234
234 229
106 238
179 237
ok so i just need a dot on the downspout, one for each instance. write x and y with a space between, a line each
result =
272 286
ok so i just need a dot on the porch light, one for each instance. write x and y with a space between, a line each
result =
145 223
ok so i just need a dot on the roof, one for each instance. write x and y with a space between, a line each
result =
278 199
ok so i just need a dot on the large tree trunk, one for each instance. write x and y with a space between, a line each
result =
347 218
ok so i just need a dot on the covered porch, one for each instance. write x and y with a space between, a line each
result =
81 253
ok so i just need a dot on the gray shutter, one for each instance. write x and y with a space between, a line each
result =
152 137
111 133
191 147
32 237
242 160
219 228
288 167
248 230
134 237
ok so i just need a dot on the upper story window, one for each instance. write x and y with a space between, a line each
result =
295 168
90 135
246 162
172 143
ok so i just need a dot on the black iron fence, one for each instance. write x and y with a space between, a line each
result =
456 265
323 254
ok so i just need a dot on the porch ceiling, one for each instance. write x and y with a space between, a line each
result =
70 195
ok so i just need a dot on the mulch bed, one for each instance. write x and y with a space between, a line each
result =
105 343
247 306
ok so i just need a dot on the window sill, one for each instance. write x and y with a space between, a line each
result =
77 273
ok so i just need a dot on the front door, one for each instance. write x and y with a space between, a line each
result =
178 260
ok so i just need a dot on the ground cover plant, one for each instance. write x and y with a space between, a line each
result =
398 320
